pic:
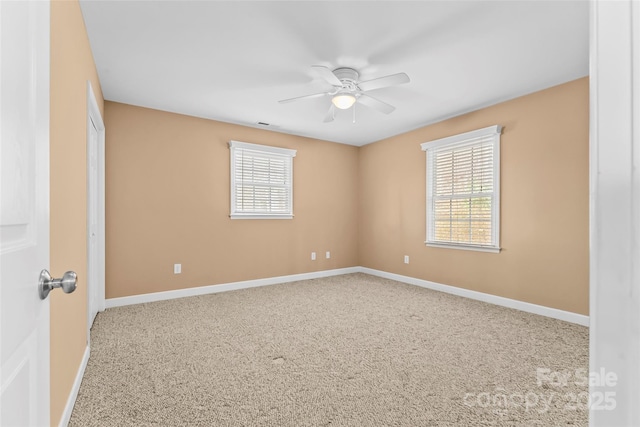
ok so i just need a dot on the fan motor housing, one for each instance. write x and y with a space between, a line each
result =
348 76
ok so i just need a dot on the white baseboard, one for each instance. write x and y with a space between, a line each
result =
212 289
567 316
73 395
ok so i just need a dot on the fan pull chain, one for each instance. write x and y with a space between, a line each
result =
354 113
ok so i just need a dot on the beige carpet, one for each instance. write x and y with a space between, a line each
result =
352 350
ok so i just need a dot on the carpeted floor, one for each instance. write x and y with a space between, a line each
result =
353 350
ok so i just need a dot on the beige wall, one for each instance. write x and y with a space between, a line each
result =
167 201
544 203
71 66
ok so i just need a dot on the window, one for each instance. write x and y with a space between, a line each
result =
463 190
261 181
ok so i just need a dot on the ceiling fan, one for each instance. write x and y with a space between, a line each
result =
347 90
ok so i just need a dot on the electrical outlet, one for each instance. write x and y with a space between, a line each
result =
406 259
313 256
328 255
177 268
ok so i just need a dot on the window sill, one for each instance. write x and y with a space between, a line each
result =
260 216
492 249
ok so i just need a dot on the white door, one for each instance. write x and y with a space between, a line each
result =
95 209
24 212
92 223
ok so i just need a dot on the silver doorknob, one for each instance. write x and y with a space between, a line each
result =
47 283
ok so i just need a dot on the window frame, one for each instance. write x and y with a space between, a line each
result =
465 139
286 153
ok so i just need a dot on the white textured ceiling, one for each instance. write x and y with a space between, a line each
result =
233 61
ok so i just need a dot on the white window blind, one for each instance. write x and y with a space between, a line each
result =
463 196
261 181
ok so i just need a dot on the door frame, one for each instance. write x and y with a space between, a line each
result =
93 114
614 209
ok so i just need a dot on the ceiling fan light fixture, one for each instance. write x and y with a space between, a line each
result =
343 101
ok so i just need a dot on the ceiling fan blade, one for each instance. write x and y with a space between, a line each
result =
327 74
330 114
380 82
376 104
313 95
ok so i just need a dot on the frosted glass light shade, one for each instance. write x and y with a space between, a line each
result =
343 101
